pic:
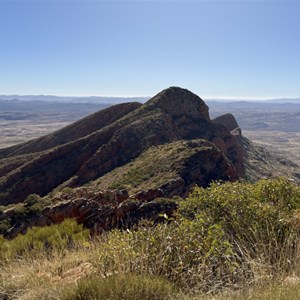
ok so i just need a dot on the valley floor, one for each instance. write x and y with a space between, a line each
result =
283 143
16 132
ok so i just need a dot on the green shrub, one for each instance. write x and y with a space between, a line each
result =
4 226
32 199
34 204
31 207
261 217
67 190
172 251
123 286
20 213
40 239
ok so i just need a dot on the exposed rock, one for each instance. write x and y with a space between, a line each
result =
103 196
259 162
148 195
97 215
174 187
229 121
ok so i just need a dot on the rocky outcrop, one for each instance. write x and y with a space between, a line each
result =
148 195
98 211
84 154
229 121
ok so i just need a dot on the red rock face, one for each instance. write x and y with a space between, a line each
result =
173 114
148 195
227 120
98 211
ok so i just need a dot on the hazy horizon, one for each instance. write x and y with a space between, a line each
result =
114 97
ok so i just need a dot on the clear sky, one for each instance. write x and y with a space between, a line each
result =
137 48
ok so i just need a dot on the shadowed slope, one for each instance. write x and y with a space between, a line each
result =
76 130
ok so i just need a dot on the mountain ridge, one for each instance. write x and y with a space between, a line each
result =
173 114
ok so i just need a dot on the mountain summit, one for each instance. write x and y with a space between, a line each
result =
176 101
94 146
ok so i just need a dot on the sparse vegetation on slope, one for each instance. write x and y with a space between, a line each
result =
194 162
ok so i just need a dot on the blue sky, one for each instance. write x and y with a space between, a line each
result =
242 49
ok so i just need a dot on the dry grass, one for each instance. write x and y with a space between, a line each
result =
45 278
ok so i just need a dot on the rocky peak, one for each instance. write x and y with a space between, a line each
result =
177 101
228 120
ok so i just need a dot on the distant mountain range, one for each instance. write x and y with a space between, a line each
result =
267 101
115 100
91 99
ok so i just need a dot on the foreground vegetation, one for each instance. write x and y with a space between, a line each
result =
228 241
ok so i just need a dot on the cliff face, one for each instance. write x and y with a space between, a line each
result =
229 121
94 146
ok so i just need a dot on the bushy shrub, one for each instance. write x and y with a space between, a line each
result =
170 250
261 217
35 204
122 286
217 232
4 226
32 206
67 190
46 239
